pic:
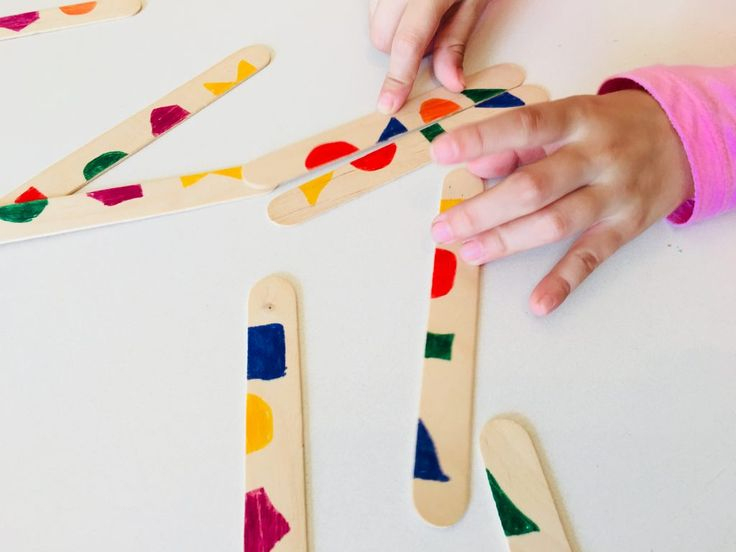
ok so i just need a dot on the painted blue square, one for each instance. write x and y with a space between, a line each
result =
266 352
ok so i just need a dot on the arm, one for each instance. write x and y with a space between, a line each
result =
700 103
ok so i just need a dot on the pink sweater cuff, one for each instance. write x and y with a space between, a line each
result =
701 105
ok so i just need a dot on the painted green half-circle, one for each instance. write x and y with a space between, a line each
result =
101 163
23 212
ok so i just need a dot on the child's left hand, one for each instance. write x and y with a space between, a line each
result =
606 167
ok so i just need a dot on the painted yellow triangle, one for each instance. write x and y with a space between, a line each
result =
447 204
245 70
192 179
313 188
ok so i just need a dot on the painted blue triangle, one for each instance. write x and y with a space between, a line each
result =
393 128
426 463
502 100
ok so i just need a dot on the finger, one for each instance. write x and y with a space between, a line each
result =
451 41
585 255
527 190
570 215
503 164
385 19
414 33
528 127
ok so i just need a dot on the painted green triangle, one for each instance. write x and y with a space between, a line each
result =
478 95
513 520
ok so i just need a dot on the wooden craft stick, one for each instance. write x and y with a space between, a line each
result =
64 17
296 160
385 164
275 501
520 490
33 217
83 210
442 460
73 172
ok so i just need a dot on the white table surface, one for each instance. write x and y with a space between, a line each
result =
122 348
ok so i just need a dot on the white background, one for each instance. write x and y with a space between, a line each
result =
122 349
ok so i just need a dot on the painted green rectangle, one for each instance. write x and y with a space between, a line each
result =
439 346
432 131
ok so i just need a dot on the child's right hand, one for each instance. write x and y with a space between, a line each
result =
409 29
602 168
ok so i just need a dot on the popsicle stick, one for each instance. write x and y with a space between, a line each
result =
406 154
296 160
83 210
442 460
64 17
74 171
520 490
275 501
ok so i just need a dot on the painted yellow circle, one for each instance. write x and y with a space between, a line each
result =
258 423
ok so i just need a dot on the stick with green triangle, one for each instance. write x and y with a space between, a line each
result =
520 491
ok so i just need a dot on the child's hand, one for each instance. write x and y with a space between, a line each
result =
604 166
407 29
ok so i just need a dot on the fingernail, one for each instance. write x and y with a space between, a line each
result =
471 251
386 103
548 304
444 151
441 232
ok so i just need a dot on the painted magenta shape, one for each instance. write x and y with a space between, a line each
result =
114 196
167 117
445 269
18 22
265 526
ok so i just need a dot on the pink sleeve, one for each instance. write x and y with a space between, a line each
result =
701 105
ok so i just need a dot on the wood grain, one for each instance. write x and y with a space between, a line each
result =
65 17
158 197
288 163
346 182
279 467
528 513
446 405
75 171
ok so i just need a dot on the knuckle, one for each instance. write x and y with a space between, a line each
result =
463 221
453 46
587 259
530 188
530 121
555 226
496 242
408 43
379 40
